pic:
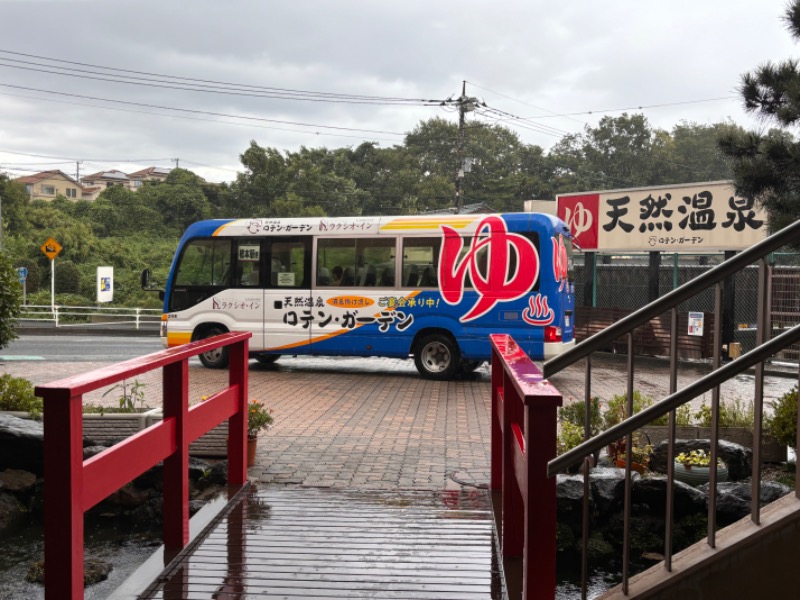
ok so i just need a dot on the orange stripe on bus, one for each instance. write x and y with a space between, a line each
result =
427 223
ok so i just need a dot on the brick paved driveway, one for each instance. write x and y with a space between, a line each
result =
375 424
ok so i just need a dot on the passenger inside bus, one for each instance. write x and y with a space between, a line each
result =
323 277
337 275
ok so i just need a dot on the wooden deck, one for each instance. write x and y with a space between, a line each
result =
301 543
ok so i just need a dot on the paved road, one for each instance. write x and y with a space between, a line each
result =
79 348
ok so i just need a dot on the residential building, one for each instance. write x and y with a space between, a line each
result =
105 179
139 178
49 184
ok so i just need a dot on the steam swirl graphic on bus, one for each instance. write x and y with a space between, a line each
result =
498 284
538 311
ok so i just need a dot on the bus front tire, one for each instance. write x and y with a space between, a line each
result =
217 358
437 357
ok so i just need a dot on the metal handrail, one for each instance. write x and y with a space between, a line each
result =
764 349
651 413
673 298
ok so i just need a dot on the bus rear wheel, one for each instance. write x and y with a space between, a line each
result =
217 358
437 357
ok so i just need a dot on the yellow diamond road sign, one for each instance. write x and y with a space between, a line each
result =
51 248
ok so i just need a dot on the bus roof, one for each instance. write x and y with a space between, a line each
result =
354 226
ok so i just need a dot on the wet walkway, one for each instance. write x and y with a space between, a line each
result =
290 543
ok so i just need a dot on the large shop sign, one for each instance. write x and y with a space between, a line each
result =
691 217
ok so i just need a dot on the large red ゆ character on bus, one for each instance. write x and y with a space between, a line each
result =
560 262
498 284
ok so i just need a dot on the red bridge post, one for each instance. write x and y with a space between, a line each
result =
524 424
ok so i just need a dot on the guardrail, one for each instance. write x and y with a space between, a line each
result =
524 425
88 316
74 485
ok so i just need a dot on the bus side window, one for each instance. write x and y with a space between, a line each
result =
387 277
250 275
277 267
413 276
429 277
420 261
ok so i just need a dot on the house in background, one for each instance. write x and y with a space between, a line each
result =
104 179
49 184
139 178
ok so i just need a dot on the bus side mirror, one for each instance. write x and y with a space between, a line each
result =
146 279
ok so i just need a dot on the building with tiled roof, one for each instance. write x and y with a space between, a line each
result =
139 178
106 179
47 185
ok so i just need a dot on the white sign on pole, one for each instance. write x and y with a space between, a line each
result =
105 284
696 323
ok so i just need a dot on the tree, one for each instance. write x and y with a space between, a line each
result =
10 297
15 202
620 152
265 178
766 166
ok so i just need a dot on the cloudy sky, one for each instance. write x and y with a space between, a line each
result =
122 84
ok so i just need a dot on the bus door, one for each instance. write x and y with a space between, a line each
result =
287 299
246 304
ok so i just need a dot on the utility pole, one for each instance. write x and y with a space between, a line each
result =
177 162
78 170
465 105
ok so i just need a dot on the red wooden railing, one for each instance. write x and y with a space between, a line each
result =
74 485
524 420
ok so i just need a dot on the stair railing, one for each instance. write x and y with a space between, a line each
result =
765 348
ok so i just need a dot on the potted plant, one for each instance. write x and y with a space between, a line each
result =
641 452
258 417
694 467
616 412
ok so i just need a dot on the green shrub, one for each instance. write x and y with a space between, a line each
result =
782 425
16 393
616 410
683 416
570 435
575 413
734 413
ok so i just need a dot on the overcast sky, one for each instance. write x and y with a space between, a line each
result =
550 67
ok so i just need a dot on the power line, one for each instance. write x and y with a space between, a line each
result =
143 78
188 118
193 111
641 107
553 114
521 102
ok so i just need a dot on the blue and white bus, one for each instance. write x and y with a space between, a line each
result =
431 287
